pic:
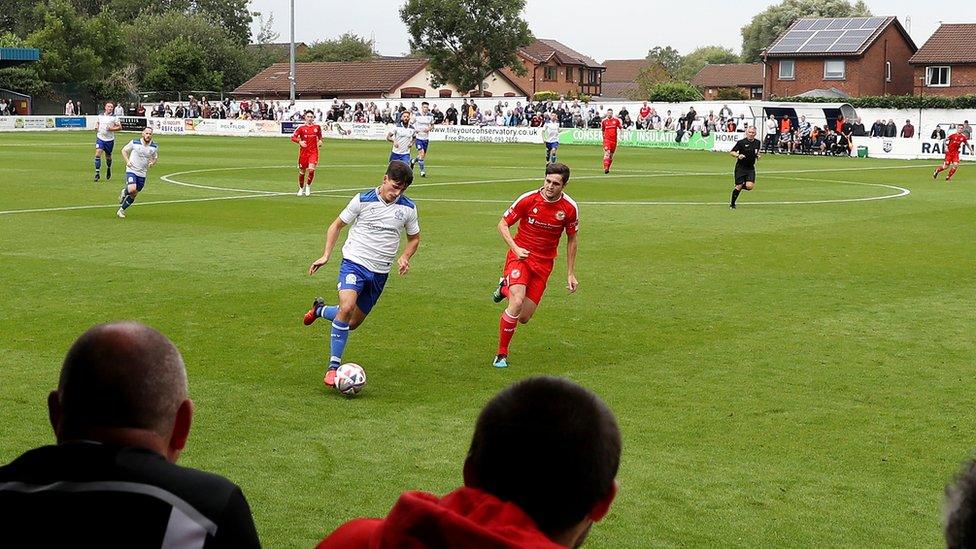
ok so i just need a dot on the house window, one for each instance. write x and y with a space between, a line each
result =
549 74
444 93
786 67
569 74
834 69
591 76
887 71
756 92
412 93
937 77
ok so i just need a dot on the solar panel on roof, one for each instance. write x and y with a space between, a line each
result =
819 24
856 23
873 23
837 24
804 24
841 35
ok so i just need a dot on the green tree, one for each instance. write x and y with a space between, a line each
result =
181 64
647 78
667 57
768 24
348 47
692 63
466 41
673 92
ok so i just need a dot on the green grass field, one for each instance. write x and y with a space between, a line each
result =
793 373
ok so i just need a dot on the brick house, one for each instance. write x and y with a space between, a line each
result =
946 63
856 55
553 66
747 78
620 77
382 77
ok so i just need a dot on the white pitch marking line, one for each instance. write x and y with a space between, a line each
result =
327 193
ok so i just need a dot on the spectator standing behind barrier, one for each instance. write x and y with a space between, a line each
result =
539 473
772 128
891 130
908 130
878 128
111 480
69 108
859 130
967 129
938 134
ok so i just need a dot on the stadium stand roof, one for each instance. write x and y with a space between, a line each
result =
543 50
833 37
16 56
730 75
374 76
953 43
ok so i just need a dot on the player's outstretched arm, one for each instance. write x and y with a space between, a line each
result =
506 233
403 264
572 244
331 236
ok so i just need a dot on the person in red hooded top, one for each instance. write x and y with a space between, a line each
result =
540 471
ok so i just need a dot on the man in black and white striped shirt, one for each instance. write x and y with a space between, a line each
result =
121 415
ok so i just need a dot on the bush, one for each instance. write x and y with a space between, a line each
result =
731 94
895 101
545 96
673 92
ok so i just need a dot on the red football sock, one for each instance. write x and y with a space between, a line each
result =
606 162
939 169
609 162
301 179
309 177
506 329
951 171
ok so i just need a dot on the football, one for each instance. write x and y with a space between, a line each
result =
350 379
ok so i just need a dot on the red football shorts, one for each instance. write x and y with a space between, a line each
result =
610 146
533 274
307 157
952 158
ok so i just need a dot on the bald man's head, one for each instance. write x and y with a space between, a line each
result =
121 375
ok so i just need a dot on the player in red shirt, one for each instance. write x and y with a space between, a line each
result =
542 215
308 136
610 126
953 144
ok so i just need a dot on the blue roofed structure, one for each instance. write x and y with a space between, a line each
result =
16 56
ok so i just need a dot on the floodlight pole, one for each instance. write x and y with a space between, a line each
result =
291 56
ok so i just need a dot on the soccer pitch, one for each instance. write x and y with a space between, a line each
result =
797 372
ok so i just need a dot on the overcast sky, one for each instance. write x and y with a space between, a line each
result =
609 29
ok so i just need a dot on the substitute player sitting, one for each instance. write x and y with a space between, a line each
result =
139 155
402 136
422 123
377 217
953 144
542 215
610 125
105 128
308 136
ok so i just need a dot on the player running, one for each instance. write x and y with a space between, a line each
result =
308 136
543 215
953 144
422 123
550 136
610 125
105 128
140 155
402 136
377 217
746 152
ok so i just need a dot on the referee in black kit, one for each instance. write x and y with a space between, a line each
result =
746 152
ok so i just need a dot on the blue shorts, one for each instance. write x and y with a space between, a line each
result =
552 146
405 158
369 285
422 144
137 180
106 146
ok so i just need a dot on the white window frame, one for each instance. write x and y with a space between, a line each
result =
835 76
792 65
928 76
887 71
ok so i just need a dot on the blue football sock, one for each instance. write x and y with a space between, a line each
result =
421 162
98 164
327 312
108 161
553 161
127 201
340 334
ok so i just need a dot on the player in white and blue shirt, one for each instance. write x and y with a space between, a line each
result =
402 136
377 218
105 128
550 136
140 155
422 123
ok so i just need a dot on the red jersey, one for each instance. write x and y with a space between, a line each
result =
610 128
645 112
954 142
541 223
311 134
